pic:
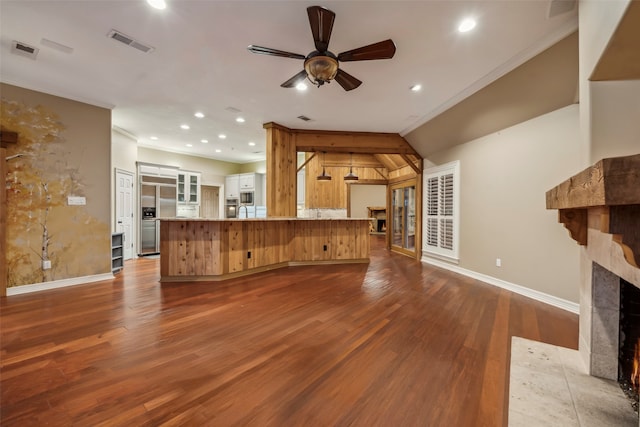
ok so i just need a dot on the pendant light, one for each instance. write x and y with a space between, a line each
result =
324 176
351 176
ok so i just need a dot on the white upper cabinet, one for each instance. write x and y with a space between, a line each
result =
232 187
188 188
247 181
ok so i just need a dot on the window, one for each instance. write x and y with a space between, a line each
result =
441 216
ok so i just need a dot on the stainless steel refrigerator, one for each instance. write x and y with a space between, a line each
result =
157 200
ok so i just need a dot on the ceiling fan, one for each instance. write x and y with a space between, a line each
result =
321 65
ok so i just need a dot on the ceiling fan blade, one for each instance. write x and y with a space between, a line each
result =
293 81
346 80
381 50
274 52
321 21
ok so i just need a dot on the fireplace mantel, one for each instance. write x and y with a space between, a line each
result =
604 197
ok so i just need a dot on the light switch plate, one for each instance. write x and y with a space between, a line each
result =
76 201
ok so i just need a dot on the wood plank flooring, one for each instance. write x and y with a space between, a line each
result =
392 343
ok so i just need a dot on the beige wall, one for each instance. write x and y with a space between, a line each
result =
257 167
213 171
597 20
504 177
67 153
615 119
124 150
364 195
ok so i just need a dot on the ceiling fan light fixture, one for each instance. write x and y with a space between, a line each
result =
321 69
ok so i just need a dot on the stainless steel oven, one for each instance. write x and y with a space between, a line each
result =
231 208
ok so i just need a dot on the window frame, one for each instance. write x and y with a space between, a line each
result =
450 255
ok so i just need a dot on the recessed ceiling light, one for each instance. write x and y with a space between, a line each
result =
301 87
158 4
416 88
218 150
185 127
189 145
467 24
240 119
204 141
154 138
252 143
222 136
199 115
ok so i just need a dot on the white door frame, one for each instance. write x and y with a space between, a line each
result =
121 225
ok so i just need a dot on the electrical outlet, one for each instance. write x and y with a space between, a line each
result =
498 262
249 255
324 248
46 264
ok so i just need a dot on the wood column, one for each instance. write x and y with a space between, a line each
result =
3 222
281 171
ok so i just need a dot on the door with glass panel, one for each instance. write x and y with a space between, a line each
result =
403 218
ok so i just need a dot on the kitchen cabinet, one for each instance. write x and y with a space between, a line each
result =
247 181
189 188
232 187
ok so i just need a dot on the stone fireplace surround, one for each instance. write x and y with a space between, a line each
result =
600 207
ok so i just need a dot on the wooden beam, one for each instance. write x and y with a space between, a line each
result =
351 142
613 181
281 173
417 170
357 160
381 174
575 220
306 161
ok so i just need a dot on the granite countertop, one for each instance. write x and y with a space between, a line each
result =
263 219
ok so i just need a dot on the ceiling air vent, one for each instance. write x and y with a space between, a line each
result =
123 38
304 118
232 109
24 49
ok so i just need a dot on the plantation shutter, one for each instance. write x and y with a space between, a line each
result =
441 211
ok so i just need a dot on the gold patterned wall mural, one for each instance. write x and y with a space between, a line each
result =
48 238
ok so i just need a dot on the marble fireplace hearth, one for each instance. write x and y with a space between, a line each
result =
600 207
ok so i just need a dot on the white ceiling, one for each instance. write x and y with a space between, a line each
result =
200 63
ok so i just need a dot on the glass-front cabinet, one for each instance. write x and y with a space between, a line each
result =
403 218
188 188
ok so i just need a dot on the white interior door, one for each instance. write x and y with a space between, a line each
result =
124 210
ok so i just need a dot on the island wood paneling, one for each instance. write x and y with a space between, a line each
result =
194 247
219 249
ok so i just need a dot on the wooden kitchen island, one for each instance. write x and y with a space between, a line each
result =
218 249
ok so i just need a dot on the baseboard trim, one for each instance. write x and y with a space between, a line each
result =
531 293
54 284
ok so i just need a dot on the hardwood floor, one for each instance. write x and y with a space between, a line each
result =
392 343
